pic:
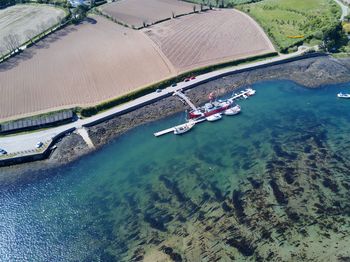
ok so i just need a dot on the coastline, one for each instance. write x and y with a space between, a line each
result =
311 73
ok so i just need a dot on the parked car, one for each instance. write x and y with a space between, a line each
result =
3 152
192 78
158 90
39 144
174 84
187 79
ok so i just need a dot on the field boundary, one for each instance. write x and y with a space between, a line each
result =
306 25
105 105
29 153
65 21
87 111
145 25
272 38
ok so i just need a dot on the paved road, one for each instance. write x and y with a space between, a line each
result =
344 9
26 142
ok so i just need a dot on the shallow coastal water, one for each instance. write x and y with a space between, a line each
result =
141 192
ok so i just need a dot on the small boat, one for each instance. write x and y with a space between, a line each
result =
250 91
213 106
341 95
178 130
214 117
233 111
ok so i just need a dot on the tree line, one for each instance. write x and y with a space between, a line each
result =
7 3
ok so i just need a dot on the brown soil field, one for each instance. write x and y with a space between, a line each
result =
98 60
208 38
79 65
26 21
136 12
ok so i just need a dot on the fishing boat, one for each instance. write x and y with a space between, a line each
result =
178 130
341 95
232 111
214 117
214 106
210 109
220 106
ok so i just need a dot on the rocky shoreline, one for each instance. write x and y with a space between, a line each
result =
311 72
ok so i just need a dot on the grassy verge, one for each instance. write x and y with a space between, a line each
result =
89 111
342 54
292 22
93 110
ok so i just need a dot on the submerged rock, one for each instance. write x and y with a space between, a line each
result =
279 195
238 204
242 245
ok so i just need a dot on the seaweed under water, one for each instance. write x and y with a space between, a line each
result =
269 184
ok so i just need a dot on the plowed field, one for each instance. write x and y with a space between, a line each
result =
137 12
25 21
79 65
208 38
99 60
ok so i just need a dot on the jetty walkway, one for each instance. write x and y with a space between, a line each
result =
24 145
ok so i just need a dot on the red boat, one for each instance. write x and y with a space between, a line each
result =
210 109
215 107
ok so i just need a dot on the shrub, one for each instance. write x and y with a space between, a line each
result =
89 111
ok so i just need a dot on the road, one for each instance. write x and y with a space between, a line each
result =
344 9
26 142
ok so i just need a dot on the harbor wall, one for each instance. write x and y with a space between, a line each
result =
221 73
35 156
190 86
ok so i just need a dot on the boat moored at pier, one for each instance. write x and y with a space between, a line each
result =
219 106
211 111
181 129
214 117
233 110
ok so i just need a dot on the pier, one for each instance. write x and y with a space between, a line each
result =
16 144
243 94
169 130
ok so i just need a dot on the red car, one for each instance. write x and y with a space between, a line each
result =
192 77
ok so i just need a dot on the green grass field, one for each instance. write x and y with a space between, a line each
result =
283 18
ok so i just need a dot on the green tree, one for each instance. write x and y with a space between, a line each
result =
347 18
79 13
334 37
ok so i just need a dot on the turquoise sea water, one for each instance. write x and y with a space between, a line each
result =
108 203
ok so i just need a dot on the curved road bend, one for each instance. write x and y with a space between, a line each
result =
344 9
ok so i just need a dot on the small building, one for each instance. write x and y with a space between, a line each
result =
37 122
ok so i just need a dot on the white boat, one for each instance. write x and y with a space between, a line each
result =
178 130
214 117
233 111
250 91
341 95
